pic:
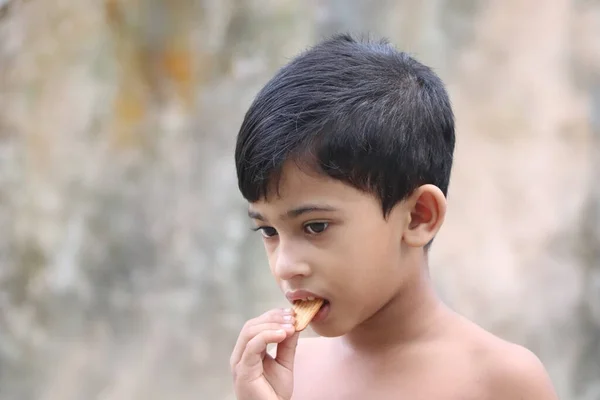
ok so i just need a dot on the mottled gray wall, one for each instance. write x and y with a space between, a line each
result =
126 262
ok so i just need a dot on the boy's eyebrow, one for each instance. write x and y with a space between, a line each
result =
254 215
295 212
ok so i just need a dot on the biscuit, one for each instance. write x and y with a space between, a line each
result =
305 312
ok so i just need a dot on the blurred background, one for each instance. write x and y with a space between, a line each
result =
127 266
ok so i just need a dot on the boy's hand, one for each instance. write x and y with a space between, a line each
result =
256 374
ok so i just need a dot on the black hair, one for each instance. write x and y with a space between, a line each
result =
356 110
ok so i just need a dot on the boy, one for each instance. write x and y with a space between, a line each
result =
345 158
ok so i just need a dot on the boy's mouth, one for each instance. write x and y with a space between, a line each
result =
302 295
307 298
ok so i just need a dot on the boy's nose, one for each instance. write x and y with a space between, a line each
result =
289 264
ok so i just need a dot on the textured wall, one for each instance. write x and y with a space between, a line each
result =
126 264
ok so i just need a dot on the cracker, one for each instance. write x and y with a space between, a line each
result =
305 312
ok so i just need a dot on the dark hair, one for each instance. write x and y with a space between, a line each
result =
358 111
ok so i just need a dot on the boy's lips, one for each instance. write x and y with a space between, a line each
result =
304 295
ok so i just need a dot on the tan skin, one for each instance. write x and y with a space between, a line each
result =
387 335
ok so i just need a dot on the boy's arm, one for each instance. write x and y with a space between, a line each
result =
521 375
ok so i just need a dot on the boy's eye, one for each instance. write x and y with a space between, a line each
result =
316 227
267 231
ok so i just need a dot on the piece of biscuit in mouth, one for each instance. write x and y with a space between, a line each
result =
305 312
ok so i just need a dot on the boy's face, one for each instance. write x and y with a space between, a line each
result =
328 238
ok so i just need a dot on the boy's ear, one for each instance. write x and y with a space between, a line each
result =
427 210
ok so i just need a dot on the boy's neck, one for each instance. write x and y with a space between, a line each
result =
415 313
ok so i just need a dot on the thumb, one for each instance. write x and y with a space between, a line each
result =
286 351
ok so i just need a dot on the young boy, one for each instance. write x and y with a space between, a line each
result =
345 158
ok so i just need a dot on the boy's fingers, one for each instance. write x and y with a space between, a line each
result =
286 351
253 354
250 332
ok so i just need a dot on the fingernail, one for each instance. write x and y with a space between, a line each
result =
288 326
287 317
280 331
288 310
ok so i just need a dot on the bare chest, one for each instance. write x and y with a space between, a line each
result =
375 391
429 384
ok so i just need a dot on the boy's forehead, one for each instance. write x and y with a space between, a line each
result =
296 184
298 192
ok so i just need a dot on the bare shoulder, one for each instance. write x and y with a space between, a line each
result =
516 372
510 371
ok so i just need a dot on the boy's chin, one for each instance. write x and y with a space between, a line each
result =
330 330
